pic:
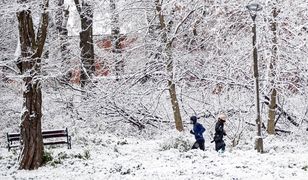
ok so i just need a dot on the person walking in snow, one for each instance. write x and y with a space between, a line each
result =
219 133
198 131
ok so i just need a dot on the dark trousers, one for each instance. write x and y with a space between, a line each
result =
220 144
198 144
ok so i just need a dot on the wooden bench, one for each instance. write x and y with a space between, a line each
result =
61 135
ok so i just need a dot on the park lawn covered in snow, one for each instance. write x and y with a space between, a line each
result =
106 156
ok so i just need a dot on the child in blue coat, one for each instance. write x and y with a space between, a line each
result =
198 131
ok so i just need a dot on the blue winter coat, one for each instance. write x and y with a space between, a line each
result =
198 130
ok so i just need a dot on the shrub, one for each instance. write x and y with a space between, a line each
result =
55 162
47 157
85 155
181 143
62 155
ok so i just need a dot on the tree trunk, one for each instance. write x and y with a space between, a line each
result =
62 16
32 151
153 33
169 62
172 90
175 106
59 15
86 41
272 74
116 40
31 155
259 140
272 112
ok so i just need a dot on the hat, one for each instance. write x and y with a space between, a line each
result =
222 117
193 119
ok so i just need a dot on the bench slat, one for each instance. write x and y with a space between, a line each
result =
13 134
13 146
14 139
54 131
54 135
55 142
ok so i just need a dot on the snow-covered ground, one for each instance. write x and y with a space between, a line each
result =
109 157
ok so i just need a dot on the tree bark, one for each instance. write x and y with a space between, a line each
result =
59 15
272 112
116 40
85 11
272 75
153 33
31 155
62 16
259 139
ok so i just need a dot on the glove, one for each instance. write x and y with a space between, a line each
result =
192 132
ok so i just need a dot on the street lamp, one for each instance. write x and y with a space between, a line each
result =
253 9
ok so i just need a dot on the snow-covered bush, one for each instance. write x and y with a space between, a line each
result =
47 157
179 141
85 155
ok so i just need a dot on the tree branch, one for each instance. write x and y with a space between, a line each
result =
78 7
42 31
180 24
10 68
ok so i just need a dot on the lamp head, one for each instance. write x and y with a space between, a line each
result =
253 9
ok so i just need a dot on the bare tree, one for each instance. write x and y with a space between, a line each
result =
167 50
85 11
272 73
29 63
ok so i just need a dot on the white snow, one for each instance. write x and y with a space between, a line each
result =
106 146
113 157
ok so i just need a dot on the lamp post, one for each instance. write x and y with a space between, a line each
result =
253 9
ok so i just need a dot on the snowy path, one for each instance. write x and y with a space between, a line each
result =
131 159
